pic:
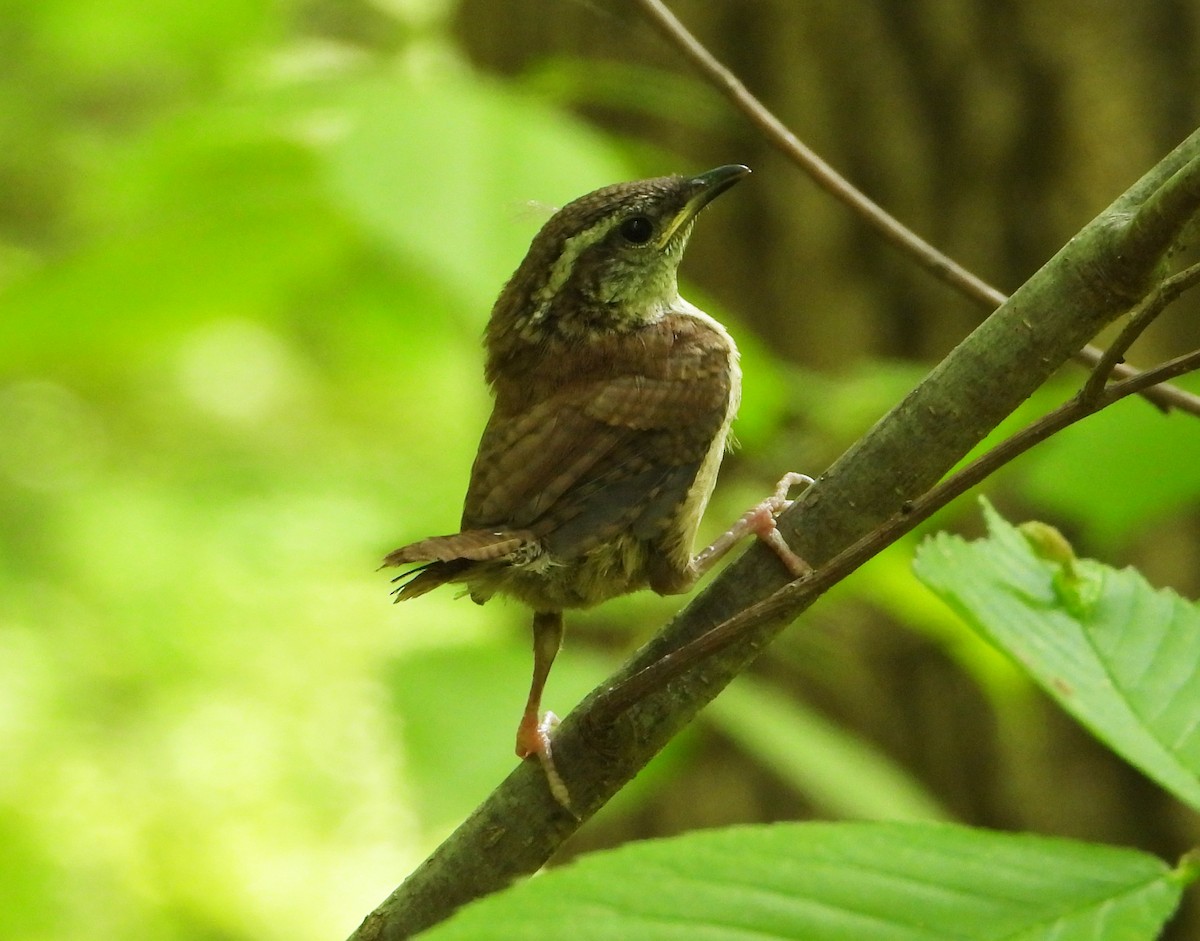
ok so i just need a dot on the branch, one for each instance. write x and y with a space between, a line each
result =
1096 277
1139 319
937 263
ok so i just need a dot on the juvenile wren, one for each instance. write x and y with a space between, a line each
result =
613 400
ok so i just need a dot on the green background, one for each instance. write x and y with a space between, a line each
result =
247 251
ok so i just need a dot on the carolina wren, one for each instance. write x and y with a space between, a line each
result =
613 400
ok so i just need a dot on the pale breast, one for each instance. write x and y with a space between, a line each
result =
706 478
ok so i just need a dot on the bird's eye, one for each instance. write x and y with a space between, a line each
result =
637 230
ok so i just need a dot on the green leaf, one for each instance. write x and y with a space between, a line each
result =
1119 655
826 882
838 771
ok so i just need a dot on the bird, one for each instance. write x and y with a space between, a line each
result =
613 400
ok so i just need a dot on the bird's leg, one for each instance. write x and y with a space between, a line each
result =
759 520
533 734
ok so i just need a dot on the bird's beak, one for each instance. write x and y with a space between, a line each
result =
704 189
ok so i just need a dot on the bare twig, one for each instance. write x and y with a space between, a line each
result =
936 262
1139 319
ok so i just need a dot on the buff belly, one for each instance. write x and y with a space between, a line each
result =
614 568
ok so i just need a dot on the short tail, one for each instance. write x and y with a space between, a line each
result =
450 558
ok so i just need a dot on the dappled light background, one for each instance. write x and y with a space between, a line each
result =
247 251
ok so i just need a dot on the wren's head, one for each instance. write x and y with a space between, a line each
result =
606 261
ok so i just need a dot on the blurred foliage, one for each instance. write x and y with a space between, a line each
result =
246 255
244 274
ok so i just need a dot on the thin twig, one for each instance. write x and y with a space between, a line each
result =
825 176
1140 318
938 263
1144 314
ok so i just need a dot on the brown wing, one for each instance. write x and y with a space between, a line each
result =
599 457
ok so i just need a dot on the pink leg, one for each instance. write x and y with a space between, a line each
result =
759 520
533 734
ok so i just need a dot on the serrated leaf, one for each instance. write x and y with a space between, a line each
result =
829 882
1118 654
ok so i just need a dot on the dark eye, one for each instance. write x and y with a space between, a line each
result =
637 230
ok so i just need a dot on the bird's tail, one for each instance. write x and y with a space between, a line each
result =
416 581
451 558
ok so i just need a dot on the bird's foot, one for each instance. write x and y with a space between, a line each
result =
760 521
533 738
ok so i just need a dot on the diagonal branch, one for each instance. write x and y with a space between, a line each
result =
936 262
1107 268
